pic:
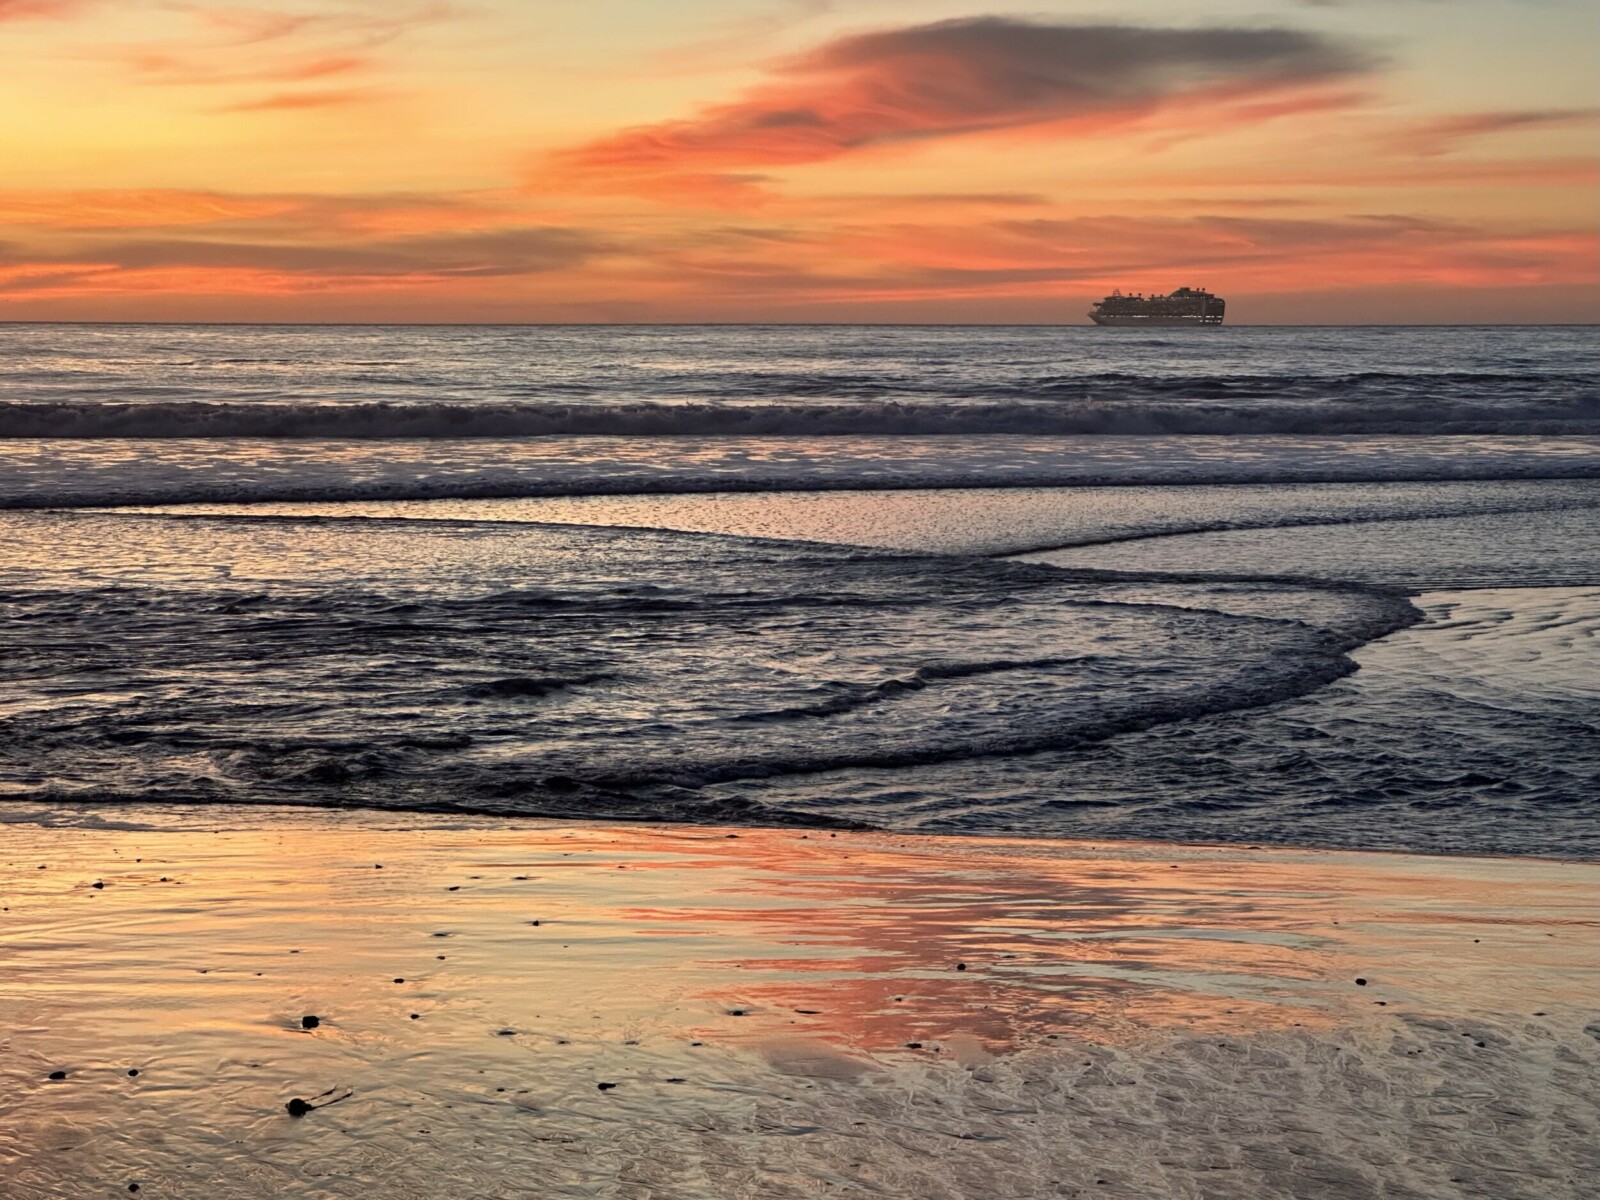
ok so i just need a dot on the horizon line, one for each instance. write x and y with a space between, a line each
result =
17 321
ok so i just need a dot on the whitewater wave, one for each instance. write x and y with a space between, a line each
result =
47 474
1424 405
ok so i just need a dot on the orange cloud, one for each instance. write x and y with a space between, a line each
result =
291 217
223 46
324 98
168 68
955 78
495 253
130 208
16 10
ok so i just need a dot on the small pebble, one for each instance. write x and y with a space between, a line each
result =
97 885
961 966
398 979
605 1087
310 1022
1361 983
132 1071
58 1074
297 1107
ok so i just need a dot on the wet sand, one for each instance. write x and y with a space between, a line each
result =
782 1013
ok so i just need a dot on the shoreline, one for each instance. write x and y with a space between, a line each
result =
33 812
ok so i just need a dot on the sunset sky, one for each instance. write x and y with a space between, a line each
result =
625 160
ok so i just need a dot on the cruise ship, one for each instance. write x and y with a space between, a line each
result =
1186 306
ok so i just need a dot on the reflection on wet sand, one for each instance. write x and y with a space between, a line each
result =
781 1014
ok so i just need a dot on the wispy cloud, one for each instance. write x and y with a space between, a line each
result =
215 266
1441 135
289 216
954 78
223 46
22 10
322 98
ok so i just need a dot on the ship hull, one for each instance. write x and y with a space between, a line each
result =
1156 322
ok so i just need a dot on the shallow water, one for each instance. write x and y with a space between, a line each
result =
452 655
1474 732
580 670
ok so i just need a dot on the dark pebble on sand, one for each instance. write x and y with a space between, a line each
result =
508 1033
97 885
132 1071
605 1087
675 1079
310 1022
736 1012
1361 983
961 966
297 1107
399 980
416 1016
133 1187
913 1045
58 1074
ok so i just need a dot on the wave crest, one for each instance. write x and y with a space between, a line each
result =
1402 405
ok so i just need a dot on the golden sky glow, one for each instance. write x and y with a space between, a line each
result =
540 160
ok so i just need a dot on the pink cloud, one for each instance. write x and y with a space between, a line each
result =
954 78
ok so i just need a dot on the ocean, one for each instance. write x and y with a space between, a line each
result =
1304 586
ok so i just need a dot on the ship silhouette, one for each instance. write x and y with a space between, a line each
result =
1186 306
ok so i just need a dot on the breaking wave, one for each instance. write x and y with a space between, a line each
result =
1387 405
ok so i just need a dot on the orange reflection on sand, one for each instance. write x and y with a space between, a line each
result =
476 979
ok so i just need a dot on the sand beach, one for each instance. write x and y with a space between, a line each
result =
778 1013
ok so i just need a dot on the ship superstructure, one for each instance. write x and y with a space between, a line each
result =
1186 306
